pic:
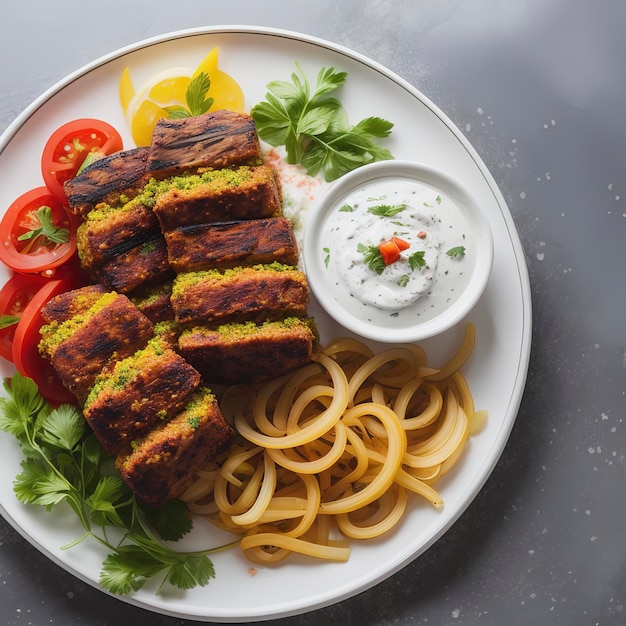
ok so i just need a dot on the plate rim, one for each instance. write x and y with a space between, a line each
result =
521 373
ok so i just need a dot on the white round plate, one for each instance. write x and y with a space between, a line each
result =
496 372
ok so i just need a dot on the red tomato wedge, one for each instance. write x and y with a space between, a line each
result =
15 296
37 233
69 146
390 249
25 354
401 243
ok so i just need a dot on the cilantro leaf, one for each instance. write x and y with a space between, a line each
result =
191 571
63 428
313 126
102 502
456 251
195 97
372 258
46 229
386 210
417 260
16 410
326 252
64 462
8 320
171 521
127 569
37 484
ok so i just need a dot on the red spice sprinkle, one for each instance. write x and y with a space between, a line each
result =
292 174
422 234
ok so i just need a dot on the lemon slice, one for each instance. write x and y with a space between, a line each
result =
147 106
143 108
224 89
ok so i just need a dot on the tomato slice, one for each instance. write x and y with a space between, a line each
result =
37 232
389 251
15 295
69 146
401 243
25 353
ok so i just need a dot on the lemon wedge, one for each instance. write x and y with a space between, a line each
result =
144 107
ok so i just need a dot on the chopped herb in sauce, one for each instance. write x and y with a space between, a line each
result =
327 256
456 251
372 258
387 210
417 260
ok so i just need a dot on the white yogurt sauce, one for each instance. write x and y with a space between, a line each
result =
431 223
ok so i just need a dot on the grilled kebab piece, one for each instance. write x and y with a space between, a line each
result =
160 466
233 354
248 293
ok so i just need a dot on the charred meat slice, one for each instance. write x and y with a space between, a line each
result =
248 353
217 139
228 244
109 231
161 465
143 265
214 196
138 393
154 302
250 293
118 175
71 303
83 345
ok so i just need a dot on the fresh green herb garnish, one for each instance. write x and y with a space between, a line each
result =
403 281
64 462
197 102
92 157
372 257
386 210
8 320
327 256
314 126
46 230
456 251
346 208
417 260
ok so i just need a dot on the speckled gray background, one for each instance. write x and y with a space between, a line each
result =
539 88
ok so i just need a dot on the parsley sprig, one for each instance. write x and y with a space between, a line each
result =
196 99
417 260
456 251
314 128
8 320
64 463
386 210
372 258
46 230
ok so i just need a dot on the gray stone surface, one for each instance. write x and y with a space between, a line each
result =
538 88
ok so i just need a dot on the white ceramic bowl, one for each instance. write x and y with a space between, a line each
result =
446 216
